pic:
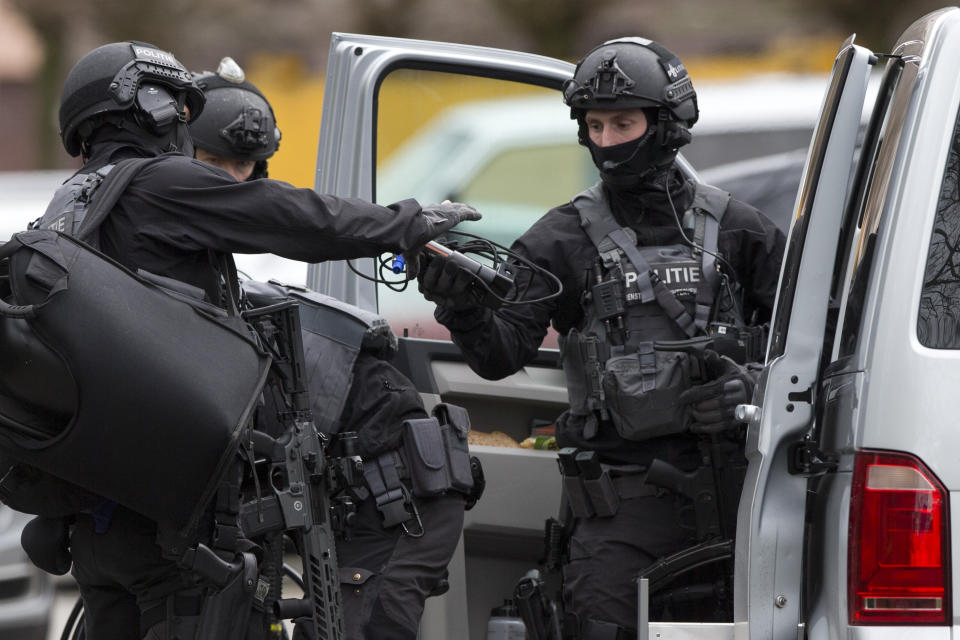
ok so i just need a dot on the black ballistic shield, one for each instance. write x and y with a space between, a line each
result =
160 389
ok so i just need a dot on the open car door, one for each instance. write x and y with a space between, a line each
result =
433 121
770 525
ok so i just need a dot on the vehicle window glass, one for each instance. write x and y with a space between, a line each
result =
859 232
507 148
938 322
792 260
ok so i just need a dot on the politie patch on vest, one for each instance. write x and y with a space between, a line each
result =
681 279
676 268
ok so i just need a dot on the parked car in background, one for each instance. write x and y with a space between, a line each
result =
769 183
25 197
26 592
845 528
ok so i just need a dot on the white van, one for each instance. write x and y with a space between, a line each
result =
845 528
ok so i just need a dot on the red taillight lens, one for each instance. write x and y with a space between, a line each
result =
899 543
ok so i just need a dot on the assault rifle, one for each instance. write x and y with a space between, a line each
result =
301 476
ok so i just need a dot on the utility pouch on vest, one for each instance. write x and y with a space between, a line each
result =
455 427
437 453
740 344
158 390
426 456
642 390
587 484
598 485
583 370
573 485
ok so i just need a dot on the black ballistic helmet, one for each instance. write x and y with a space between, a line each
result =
237 122
126 79
630 73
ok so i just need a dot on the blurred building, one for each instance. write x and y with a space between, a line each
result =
284 47
21 56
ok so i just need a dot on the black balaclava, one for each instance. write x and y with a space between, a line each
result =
636 173
624 166
259 171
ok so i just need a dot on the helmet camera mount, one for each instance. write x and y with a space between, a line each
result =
610 81
248 131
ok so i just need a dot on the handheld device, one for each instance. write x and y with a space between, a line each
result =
490 285
492 280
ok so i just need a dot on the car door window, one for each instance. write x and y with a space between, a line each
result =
859 233
507 148
810 189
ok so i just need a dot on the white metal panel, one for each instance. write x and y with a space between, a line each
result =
912 402
538 384
827 618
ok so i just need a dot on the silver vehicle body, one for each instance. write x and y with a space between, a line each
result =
26 592
846 371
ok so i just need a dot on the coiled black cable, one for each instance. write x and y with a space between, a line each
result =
481 247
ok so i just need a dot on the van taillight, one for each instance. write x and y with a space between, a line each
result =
899 542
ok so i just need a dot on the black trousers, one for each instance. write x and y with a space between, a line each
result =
606 554
403 569
121 573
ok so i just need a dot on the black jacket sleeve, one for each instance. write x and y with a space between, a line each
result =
378 402
498 343
193 206
755 247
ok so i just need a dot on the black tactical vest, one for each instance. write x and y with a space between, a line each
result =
68 207
80 204
643 305
334 333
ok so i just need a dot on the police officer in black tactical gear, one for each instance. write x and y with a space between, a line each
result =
666 283
395 550
237 130
180 219
398 544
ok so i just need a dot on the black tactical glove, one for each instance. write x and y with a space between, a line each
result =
712 404
441 217
47 543
446 284
446 215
